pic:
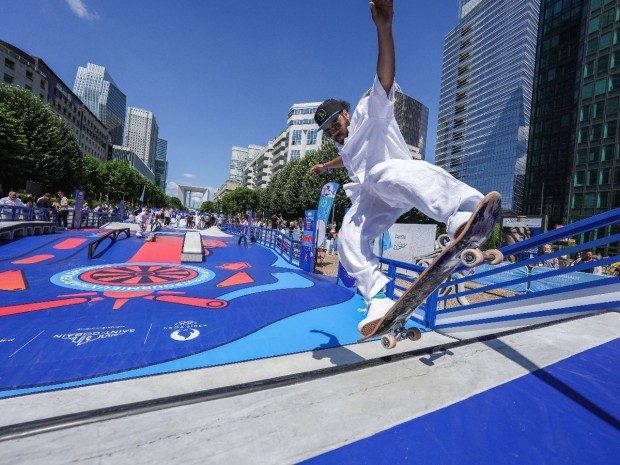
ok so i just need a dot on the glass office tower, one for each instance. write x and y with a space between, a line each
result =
485 99
554 110
573 169
96 88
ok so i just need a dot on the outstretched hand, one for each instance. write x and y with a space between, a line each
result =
382 12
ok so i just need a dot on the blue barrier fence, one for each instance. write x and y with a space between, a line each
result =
90 219
286 245
508 295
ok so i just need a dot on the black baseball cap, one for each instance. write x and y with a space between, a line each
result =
327 111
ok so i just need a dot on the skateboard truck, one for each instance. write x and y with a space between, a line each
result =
398 333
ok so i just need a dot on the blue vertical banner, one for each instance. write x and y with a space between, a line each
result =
326 202
306 259
344 278
77 208
121 211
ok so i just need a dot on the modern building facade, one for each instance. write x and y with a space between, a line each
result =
486 94
141 134
239 159
96 88
301 135
32 73
573 169
412 119
161 164
125 155
595 186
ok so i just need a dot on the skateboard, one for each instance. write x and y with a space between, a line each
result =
151 237
464 249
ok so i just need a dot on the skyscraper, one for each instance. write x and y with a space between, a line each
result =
141 133
486 86
573 168
96 88
161 163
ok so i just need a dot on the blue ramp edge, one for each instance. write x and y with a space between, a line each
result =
566 413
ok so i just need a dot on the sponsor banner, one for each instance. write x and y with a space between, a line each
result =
77 208
306 259
521 228
404 242
326 202
502 277
554 282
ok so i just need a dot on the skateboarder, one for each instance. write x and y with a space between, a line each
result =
143 219
385 181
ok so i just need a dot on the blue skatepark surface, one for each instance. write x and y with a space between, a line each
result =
134 310
566 413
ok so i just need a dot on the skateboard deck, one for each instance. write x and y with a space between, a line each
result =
151 237
475 233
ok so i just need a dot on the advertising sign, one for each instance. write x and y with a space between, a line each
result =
77 208
306 259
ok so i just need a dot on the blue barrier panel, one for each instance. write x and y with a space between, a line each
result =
502 276
554 282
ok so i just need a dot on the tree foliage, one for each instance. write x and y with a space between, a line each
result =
36 144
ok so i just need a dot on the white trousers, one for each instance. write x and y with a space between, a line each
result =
391 189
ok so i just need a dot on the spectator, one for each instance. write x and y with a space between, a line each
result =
62 206
588 257
45 202
550 262
12 200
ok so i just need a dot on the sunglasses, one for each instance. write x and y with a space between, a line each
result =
333 129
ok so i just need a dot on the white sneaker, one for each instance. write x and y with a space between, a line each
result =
456 223
138 234
377 308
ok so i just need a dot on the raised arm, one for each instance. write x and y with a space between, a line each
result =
382 13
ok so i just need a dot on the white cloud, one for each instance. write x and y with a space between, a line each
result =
80 9
189 175
172 189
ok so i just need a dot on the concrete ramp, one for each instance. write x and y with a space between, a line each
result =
192 250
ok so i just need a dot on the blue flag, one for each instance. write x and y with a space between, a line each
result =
143 191
326 201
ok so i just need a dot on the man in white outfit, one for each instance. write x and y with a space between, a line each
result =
385 181
143 219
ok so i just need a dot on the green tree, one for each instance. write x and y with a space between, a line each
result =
52 155
175 202
13 149
208 206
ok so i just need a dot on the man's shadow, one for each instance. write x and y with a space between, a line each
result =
333 350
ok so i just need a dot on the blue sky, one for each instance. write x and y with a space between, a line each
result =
219 74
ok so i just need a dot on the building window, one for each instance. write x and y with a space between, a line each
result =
296 138
9 63
29 75
8 78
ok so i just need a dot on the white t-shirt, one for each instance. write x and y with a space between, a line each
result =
374 135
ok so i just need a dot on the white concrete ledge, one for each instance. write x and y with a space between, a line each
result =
192 250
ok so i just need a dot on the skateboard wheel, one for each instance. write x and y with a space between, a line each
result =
414 334
443 241
471 257
493 257
388 341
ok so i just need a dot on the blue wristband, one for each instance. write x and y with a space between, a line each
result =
326 168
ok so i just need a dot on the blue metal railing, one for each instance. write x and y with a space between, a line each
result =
508 292
285 245
534 283
90 219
